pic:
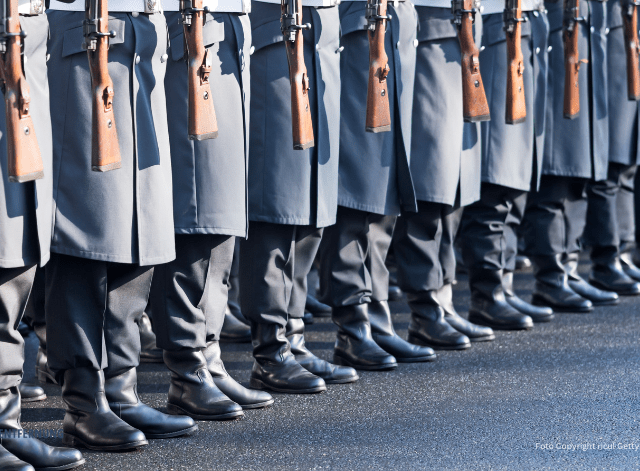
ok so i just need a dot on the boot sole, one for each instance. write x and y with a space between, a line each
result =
344 362
485 338
42 397
257 405
480 321
424 359
235 340
540 302
150 360
342 381
620 293
179 433
176 410
257 384
75 442
425 343
64 466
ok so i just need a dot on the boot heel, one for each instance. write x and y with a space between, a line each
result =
175 410
256 384
340 361
44 377
71 441
416 340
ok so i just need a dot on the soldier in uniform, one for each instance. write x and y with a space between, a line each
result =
375 184
292 197
25 236
109 229
445 165
609 236
575 151
190 294
511 164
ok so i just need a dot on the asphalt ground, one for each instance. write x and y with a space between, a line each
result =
561 396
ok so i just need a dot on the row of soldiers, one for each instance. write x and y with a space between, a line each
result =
159 233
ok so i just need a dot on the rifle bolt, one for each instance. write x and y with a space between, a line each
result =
477 83
109 124
206 95
384 92
26 130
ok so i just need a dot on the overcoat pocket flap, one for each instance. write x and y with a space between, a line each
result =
267 34
355 21
432 29
212 32
494 33
74 37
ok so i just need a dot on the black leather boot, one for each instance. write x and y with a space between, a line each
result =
385 336
9 462
307 318
122 395
488 305
317 308
31 393
149 353
192 391
245 398
629 267
88 421
610 276
26 449
536 313
522 262
331 374
475 333
395 293
44 374
552 287
355 346
428 325
275 367
233 330
578 284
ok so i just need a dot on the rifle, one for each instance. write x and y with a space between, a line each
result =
203 123
572 64
516 110
105 150
291 26
378 114
474 101
632 46
23 152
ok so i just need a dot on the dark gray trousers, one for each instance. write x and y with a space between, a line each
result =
423 246
488 228
555 216
15 286
352 255
189 294
610 212
274 263
92 309
34 313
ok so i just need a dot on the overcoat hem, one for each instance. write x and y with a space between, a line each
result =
23 262
497 181
293 221
369 208
211 230
143 261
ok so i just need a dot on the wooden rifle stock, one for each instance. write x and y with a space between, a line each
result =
105 150
474 101
23 152
378 114
632 46
291 25
572 62
516 108
203 123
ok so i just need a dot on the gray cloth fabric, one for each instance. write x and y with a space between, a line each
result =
286 186
512 154
92 309
578 147
15 286
274 260
124 215
25 208
512 229
624 137
445 151
555 217
486 241
209 177
374 167
423 247
189 294
603 232
34 313
625 209
353 254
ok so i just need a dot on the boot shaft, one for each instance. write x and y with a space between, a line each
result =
10 409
